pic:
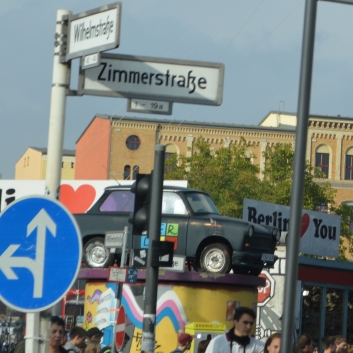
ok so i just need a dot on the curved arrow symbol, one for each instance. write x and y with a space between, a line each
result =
41 222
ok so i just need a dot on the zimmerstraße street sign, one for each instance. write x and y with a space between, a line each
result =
169 80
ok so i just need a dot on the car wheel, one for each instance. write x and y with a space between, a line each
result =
96 254
215 258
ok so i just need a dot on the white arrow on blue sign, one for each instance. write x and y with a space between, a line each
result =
40 253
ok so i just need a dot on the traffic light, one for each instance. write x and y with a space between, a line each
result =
140 216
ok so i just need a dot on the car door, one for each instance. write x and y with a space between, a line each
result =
115 210
175 221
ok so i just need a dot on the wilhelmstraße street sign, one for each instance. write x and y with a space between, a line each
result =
169 80
40 253
94 31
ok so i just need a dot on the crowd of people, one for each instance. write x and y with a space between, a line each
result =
80 341
238 340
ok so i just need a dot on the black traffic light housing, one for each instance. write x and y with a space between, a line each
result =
141 214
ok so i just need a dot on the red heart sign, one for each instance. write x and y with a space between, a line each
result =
305 224
77 201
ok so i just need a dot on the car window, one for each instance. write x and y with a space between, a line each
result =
118 201
201 203
173 204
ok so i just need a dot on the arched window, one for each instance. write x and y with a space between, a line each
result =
169 152
322 160
127 171
348 175
135 170
133 142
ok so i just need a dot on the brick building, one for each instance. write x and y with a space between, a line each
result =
118 147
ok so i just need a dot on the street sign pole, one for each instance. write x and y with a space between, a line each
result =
149 313
296 202
60 82
60 85
119 287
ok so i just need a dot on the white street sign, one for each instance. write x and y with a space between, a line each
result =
91 60
117 274
114 239
149 106
94 31
178 264
169 80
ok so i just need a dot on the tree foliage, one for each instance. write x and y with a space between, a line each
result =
278 174
226 174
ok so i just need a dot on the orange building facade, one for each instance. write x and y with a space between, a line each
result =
118 147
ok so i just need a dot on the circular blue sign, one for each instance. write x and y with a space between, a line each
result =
40 253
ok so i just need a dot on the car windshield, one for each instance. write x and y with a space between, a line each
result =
201 203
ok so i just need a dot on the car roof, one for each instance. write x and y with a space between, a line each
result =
165 187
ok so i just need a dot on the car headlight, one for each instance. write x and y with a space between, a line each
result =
249 231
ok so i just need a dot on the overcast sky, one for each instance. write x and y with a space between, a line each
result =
258 41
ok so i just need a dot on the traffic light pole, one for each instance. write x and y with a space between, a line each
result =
149 313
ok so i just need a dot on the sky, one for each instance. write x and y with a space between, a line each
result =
258 41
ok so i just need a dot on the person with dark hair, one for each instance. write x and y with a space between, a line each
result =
316 347
341 344
94 334
78 336
329 344
201 348
305 344
56 333
238 339
273 343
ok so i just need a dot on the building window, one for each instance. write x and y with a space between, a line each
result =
62 164
135 170
127 171
133 142
321 208
168 156
170 151
322 161
72 164
24 163
348 175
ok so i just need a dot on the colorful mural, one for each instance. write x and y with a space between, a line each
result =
178 305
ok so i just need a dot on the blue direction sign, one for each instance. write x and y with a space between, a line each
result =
40 253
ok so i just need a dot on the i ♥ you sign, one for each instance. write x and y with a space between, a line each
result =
320 232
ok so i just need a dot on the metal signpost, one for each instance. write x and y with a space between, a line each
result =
296 202
87 33
41 250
